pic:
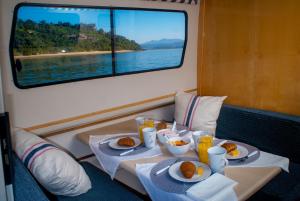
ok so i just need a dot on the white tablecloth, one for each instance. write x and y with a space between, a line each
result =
109 163
268 160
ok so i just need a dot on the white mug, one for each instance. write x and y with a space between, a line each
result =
196 135
217 158
149 137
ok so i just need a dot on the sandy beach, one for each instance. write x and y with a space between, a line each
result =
69 54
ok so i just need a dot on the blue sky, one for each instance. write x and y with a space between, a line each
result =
141 26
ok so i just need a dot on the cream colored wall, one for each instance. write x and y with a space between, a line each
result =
40 105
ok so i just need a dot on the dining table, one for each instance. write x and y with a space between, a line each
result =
249 179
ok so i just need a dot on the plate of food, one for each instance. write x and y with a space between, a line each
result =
189 171
235 151
123 143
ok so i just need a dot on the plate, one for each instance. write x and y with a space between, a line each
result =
114 143
175 173
243 153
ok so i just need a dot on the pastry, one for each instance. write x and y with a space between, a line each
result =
187 169
126 141
229 147
178 143
161 125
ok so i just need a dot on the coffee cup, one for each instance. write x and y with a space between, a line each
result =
149 137
217 158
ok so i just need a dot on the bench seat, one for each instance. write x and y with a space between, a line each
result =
103 188
271 132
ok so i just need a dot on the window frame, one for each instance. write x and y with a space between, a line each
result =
111 9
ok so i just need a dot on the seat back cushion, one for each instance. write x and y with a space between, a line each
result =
54 169
269 131
198 112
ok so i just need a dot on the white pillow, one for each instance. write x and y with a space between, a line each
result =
54 169
198 112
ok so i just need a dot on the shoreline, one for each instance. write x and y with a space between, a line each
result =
70 54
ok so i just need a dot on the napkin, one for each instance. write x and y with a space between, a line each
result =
215 188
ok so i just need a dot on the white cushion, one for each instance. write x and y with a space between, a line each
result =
54 169
198 112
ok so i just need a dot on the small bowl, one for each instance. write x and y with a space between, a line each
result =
164 134
178 150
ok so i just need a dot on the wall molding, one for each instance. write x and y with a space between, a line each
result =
100 121
35 128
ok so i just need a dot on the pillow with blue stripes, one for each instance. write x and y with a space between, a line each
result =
53 168
198 112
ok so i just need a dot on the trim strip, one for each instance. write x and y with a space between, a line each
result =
105 111
102 121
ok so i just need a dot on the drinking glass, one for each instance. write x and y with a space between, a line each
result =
205 142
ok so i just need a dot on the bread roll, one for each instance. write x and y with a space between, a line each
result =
229 147
187 169
126 141
161 125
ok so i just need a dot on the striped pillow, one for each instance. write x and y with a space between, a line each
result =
198 112
54 169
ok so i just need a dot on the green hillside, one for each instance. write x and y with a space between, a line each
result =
33 38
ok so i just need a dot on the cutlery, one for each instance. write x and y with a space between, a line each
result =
130 150
248 156
167 167
182 131
126 152
221 143
174 126
105 141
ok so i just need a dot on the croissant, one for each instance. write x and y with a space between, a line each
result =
229 147
126 141
161 125
187 169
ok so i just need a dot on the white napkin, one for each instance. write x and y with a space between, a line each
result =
110 163
215 188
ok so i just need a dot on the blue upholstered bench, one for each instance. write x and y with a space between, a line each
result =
271 132
103 188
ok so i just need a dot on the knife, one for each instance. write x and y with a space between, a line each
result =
165 168
248 156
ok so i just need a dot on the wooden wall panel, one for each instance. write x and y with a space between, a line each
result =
249 50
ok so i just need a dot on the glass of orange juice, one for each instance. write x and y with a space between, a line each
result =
143 122
205 142
140 125
148 122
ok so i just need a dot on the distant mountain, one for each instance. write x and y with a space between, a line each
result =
163 44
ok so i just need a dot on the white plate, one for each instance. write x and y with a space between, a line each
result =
174 172
114 143
243 153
